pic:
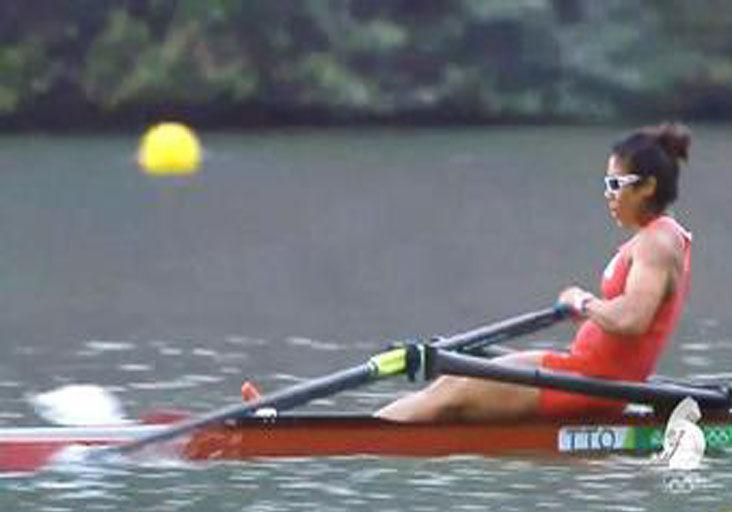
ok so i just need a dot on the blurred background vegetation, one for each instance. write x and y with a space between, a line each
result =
235 63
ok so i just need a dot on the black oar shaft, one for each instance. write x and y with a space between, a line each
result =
392 362
504 330
284 399
442 362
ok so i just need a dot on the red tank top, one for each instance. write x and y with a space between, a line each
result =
633 357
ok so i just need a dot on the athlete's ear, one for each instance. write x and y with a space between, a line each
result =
648 187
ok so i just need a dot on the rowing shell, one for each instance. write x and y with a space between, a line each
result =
23 449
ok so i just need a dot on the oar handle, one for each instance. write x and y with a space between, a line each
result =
412 359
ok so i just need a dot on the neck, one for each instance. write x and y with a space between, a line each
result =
647 217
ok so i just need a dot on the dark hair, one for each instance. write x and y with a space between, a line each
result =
656 151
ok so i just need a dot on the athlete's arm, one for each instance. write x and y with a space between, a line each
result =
655 264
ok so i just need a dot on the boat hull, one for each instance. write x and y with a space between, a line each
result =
318 436
25 449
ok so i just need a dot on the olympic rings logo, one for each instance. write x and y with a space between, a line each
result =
681 482
717 437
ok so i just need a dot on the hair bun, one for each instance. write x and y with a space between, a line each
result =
674 138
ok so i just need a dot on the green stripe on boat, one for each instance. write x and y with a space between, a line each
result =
609 438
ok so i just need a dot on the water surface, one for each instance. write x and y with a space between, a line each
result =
295 253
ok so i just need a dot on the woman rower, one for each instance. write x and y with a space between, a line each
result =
623 332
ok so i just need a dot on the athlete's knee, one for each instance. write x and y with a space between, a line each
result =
449 387
450 395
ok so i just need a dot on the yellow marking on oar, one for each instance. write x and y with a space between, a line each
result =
388 363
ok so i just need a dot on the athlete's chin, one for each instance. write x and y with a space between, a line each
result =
616 218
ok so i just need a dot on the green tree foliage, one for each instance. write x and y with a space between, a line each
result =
24 72
458 59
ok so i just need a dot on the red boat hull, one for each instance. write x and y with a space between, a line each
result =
342 436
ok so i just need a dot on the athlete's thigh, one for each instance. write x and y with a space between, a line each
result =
522 358
481 399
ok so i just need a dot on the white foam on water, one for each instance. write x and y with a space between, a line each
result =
79 405
96 460
80 459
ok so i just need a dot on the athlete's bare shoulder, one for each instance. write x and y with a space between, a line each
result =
659 246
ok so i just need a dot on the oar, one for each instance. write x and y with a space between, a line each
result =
391 362
664 395
491 351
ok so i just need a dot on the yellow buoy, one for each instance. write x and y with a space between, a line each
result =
169 149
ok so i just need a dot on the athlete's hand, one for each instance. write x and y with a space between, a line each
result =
577 299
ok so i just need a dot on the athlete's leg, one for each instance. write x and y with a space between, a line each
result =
454 397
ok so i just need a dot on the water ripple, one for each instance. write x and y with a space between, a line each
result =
186 381
313 344
109 345
135 368
245 341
